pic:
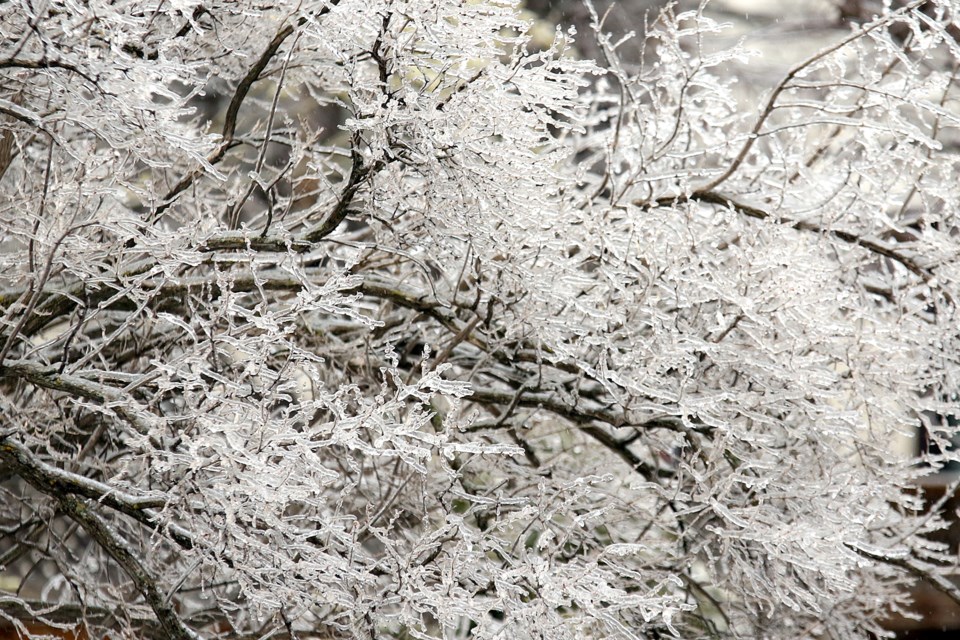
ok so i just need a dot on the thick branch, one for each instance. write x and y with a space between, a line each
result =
49 378
579 415
585 419
111 542
358 173
48 482
229 121
44 63
57 482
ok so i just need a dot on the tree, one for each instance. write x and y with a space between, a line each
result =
503 343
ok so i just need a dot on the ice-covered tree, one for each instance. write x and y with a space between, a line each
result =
434 329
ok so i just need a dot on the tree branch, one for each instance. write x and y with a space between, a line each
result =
111 542
56 482
711 197
784 84
106 396
579 415
358 173
48 482
233 109
937 581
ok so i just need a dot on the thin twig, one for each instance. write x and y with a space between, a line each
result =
784 85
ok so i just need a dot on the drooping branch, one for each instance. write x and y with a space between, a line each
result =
111 542
49 482
168 294
49 619
58 482
873 246
109 397
912 567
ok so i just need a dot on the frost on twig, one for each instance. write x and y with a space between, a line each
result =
437 330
